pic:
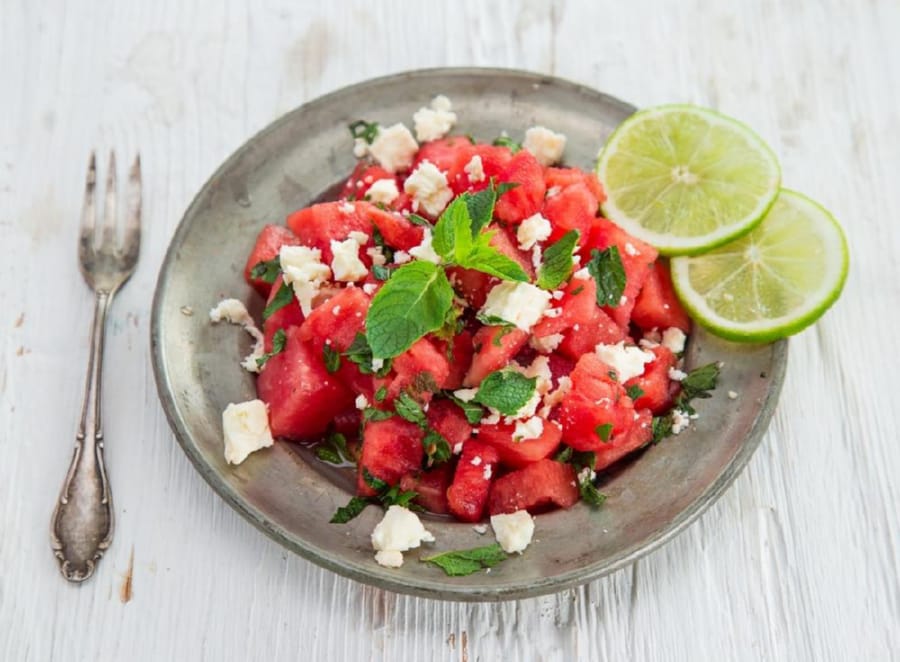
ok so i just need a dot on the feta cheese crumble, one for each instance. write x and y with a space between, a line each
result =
466 394
394 147
546 344
546 145
475 169
399 531
245 427
680 421
627 361
361 402
304 271
234 312
401 257
530 429
582 274
428 187
520 304
435 121
732 395
532 230
677 375
377 256
383 191
424 251
346 265
513 531
673 338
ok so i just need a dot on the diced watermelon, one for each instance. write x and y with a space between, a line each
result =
419 370
446 418
526 198
534 487
582 322
318 225
431 487
471 285
390 449
657 306
460 357
636 256
520 453
337 321
563 177
398 232
449 155
504 241
268 244
637 436
289 315
347 422
468 494
364 175
494 347
302 397
655 382
494 160
573 208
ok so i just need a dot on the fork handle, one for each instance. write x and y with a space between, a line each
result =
82 525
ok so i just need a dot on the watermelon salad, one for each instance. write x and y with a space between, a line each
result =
465 331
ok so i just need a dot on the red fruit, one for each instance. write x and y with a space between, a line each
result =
390 449
460 358
582 322
419 370
398 231
573 208
526 198
337 321
318 225
347 422
637 436
504 240
289 315
468 494
520 453
563 177
268 243
657 306
596 408
494 160
302 397
364 175
471 285
655 382
450 155
534 487
445 417
494 347
431 486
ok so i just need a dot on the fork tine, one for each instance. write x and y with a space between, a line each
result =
133 201
88 213
109 207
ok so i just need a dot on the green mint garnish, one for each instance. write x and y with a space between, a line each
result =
507 391
365 130
410 410
381 394
607 270
278 342
557 263
437 448
360 353
506 141
267 271
283 297
334 449
635 391
381 272
473 411
464 562
332 359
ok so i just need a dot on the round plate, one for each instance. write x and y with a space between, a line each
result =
291 496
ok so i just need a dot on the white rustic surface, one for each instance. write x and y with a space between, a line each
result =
798 560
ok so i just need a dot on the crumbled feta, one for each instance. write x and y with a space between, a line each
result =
564 385
546 145
627 361
532 230
394 147
492 418
428 187
347 208
234 312
466 394
361 401
480 529
457 448
513 531
520 304
436 121
674 338
389 558
488 472
401 257
680 421
304 271
553 190
383 191
553 312
558 294
360 147
677 375
586 474
345 264
733 395
530 429
424 251
546 344
475 169
630 249
582 274
378 364
476 461
245 427
398 531
540 368
377 256
369 288
623 300
536 257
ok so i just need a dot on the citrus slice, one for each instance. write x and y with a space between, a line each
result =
686 179
771 283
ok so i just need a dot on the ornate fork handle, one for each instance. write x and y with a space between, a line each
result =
82 523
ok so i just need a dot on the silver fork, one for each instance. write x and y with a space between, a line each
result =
82 525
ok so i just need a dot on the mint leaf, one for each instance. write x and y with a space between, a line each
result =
498 339
607 270
507 391
374 482
394 496
283 297
661 427
473 411
506 141
557 263
373 414
590 494
412 303
410 410
332 359
267 270
452 236
360 353
604 431
564 455
699 382
464 562
437 448
334 449
635 391
346 513
415 219
278 342
381 394
365 130
481 204
381 272
485 258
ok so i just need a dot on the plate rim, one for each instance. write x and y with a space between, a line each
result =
429 588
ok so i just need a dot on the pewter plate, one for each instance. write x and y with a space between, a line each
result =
288 494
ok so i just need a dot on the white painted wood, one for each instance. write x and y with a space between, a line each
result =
798 560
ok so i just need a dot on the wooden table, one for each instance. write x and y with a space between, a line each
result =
797 561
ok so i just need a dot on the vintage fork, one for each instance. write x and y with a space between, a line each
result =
82 525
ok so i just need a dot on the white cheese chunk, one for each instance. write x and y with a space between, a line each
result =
428 187
383 191
513 531
680 421
531 428
377 256
346 265
234 312
564 385
398 531
627 361
389 558
466 394
532 230
435 121
245 427
424 251
674 338
546 344
304 270
394 147
677 375
520 304
475 169
546 145
582 274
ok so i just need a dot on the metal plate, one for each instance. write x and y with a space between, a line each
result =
289 495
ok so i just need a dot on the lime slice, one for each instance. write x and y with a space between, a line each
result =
686 179
771 283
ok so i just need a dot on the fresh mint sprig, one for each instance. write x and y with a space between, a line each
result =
557 263
507 391
609 274
462 562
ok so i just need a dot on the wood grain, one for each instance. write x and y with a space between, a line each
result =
798 560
